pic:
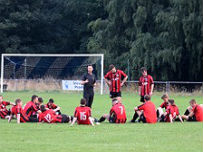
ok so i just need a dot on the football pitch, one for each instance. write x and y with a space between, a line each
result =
160 137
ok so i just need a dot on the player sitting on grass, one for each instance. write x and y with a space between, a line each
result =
20 114
146 112
171 113
51 105
4 112
40 102
50 116
83 114
31 107
195 112
164 105
117 113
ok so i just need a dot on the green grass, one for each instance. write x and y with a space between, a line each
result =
161 137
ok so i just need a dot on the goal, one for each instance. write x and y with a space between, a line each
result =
45 72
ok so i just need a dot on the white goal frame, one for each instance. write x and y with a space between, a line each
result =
54 55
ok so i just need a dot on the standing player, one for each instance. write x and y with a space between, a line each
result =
89 82
21 116
117 113
115 79
146 111
83 114
31 107
146 84
4 112
196 112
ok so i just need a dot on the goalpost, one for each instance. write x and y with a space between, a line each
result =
26 67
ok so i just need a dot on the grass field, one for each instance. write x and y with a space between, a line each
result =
161 137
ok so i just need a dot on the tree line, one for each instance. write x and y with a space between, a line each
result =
163 35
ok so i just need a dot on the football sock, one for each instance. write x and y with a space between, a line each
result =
157 113
135 117
162 118
102 119
96 120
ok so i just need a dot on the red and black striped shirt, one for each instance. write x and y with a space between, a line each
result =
17 109
3 110
115 79
145 84
30 108
52 106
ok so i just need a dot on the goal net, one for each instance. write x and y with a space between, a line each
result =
48 72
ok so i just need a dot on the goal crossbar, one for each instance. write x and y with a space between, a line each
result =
54 55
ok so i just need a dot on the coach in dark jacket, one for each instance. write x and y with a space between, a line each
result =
89 82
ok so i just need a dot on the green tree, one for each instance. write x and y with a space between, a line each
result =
165 36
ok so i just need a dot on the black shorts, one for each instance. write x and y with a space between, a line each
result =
33 119
9 112
142 99
112 119
65 119
115 94
142 119
193 118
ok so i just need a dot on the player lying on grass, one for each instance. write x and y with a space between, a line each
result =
172 112
31 108
164 105
53 106
146 112
50 116
4 112
20 114
82 114
194 112
117 113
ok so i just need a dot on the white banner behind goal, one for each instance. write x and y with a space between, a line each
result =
36 71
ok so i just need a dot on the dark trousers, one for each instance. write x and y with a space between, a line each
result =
89 99
33 119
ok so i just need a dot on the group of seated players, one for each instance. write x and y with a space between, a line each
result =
36 111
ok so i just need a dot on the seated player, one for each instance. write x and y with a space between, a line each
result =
31 107
164 105
117 113
195 113
172 112
83 114
51 105
50 116
40 102
188 110
21 116
4 112
146 112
